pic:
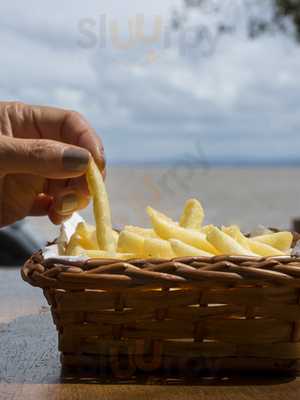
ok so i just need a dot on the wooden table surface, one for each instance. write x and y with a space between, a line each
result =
30 368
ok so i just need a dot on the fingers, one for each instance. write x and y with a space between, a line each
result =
18 193
47 158
36 122
76 130
66 204
54 187
61 207
57 189
54 144
41 205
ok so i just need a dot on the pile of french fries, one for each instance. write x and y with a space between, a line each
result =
166 239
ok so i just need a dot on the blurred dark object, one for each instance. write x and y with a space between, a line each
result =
261 17
17 243
283 12
290 9
296 225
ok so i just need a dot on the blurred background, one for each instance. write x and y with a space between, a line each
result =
192 98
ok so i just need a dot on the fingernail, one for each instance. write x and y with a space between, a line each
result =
67 204
101 161
75 159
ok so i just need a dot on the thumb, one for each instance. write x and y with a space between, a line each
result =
47 158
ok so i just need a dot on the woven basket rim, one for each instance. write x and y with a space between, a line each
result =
183 272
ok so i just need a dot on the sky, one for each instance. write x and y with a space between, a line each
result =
227 100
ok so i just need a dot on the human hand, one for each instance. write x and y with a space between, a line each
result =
44 154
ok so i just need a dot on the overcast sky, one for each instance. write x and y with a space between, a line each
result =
162 101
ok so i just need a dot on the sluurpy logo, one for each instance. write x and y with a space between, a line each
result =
194 30
144 38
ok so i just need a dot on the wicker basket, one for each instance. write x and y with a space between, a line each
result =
219 314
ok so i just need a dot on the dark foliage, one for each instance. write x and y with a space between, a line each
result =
283 12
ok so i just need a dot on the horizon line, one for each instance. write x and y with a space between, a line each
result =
207 164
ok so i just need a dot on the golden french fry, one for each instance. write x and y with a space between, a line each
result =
168 229
226 244
85 229
130 242
206 229
91 232
146 233
193 215
158 248
185 250
75 241
75 245
264 249
281 240
102 212
235 232
116 237
87 233
77 251
107 254
167 239
260 230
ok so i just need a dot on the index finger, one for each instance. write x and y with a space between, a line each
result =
56 124
76 130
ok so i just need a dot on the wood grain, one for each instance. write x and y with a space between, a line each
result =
30 368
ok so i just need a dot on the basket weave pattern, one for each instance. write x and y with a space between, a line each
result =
228 312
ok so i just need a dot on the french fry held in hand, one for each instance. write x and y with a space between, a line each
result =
104 231
166 239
